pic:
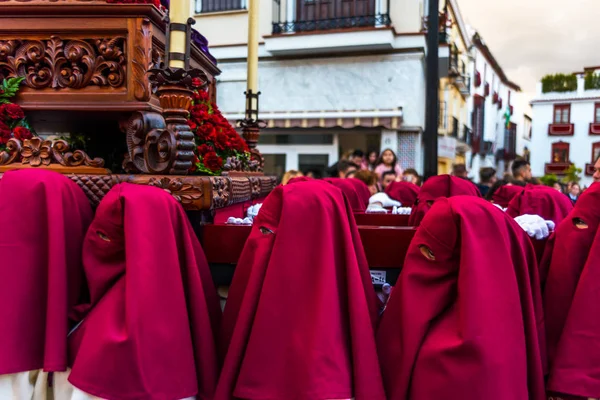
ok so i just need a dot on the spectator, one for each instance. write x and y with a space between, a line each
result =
289 175
521 170
369 178
574 192
313 173
372 160
411 175
487 178
460 171
558 187
387 178
358 158
388 162
345 168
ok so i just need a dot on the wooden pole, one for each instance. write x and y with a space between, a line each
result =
179 12
253 32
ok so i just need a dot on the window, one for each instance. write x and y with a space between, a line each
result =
454 132
562 114
510 142
296 139
527 127
595 151
560 153
274 164
597 113
313 162
207 6
478 118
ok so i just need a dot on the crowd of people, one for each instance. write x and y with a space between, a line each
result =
496 298
378 171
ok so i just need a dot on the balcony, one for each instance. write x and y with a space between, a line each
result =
559 168
589 169
213 6
561 129
295 16
594 129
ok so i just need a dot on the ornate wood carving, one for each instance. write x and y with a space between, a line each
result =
184 193
142 59
37 152
64 63
193 192
221 191
255 186
137 128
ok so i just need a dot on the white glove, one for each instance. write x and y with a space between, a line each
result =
253 210
239 221
402 210
535 226
499 206
384 200
376 208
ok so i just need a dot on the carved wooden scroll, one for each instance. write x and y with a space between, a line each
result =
65 63
37 152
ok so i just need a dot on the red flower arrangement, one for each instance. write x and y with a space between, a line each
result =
13 123
218 145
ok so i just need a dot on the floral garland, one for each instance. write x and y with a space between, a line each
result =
13 123
218 146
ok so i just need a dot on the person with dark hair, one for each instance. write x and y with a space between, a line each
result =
521 170
487 178
574 192
460 171
500 195
387 178
558 187
341 169
388 162
358 158
372 160
411 175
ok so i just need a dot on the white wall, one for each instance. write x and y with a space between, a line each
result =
582 113
332 84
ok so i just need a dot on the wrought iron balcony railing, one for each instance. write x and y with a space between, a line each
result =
323 15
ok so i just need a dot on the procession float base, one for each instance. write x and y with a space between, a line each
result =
95 69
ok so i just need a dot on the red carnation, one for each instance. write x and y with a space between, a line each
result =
202 95
22 133
4 133
207 132
196 82
212 161
12 111
222 142
204 148
199 112
192 125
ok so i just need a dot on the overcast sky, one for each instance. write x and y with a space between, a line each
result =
531 38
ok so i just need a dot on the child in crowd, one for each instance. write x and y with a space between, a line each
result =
388 162
372 160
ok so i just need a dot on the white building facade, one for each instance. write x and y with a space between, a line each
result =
501 116
334 76
566 129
